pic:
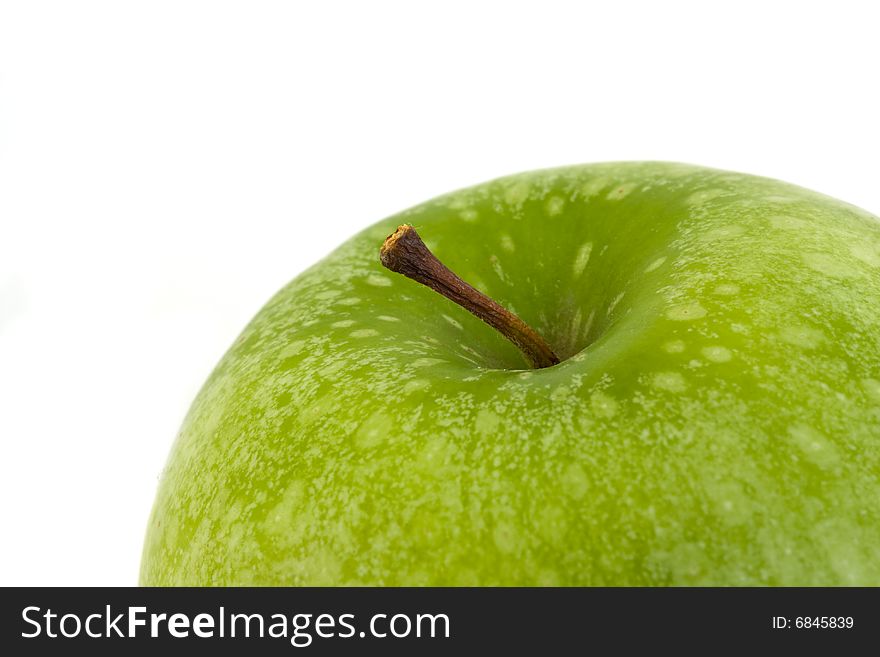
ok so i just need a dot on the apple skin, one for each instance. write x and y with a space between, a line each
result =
716 420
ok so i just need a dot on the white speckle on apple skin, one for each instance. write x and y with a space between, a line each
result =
343 323
581 259
674 346
425 362
504 536
614 302
376 429
388 318
687 312
802 336
415 385
814 446
498 269
453 322
621 191
486 422
872 389
326 295
832 265
292 348
517 193
867 253
575 481
588 325
669 381
727 289
785 222
593 187
378 280
723 233
656 264
717 353
507 243
554 206
560 392
603 405
703 197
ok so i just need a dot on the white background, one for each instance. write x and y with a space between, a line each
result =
166 166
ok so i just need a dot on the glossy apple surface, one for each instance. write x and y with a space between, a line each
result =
716 419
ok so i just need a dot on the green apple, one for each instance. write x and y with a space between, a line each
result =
714 419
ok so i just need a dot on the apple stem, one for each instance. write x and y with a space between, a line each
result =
404 252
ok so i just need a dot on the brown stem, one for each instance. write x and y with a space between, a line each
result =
405 253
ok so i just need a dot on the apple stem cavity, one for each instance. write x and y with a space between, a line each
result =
404 252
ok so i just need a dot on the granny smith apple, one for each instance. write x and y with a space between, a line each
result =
714 418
